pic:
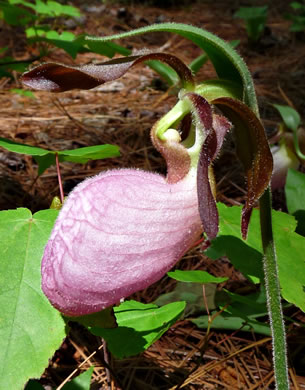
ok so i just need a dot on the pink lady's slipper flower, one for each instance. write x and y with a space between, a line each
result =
117 233
283 159
122 230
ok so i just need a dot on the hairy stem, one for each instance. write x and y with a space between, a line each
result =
61 191
273 295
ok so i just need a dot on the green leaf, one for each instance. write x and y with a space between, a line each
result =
66 40
45 158
248 13
83 155
292 121
290 116
31 329
228 64
255 18
42 8
245 309
22 2
296 5
36 31
139 326
8 64
246 256
227 321
33 385
102 319
22 92
215 88
108 49
295 191
192 294
50 8
60 10
16 16
247 306
81 382
198 62
298 24
165 71
295 197
195 277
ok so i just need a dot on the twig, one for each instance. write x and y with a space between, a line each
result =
79 366
106 359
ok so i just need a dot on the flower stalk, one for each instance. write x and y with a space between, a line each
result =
273 294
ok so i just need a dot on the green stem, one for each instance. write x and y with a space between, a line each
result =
297 146
61 191
174 115
273 295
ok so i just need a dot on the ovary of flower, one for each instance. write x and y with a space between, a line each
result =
117 233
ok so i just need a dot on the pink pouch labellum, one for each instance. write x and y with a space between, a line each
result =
117 233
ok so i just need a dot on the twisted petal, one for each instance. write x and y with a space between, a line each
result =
55 77
117 233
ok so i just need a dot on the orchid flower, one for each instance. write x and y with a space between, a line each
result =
122 230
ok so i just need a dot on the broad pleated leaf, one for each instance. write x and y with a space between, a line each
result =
31 330
246 256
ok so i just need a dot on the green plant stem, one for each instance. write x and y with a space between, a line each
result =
273 295
61 191
297 146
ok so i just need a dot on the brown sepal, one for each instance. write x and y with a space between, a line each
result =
252 149
215 128
55 77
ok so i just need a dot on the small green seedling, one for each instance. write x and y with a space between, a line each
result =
255 19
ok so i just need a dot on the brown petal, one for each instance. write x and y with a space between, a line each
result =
252 149
215 127
206 201
55 77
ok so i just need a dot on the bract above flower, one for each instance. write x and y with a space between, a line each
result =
117 233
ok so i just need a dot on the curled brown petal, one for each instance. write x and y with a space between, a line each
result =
215 128
56 77
253 151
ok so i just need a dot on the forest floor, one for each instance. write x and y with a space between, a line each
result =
122 113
